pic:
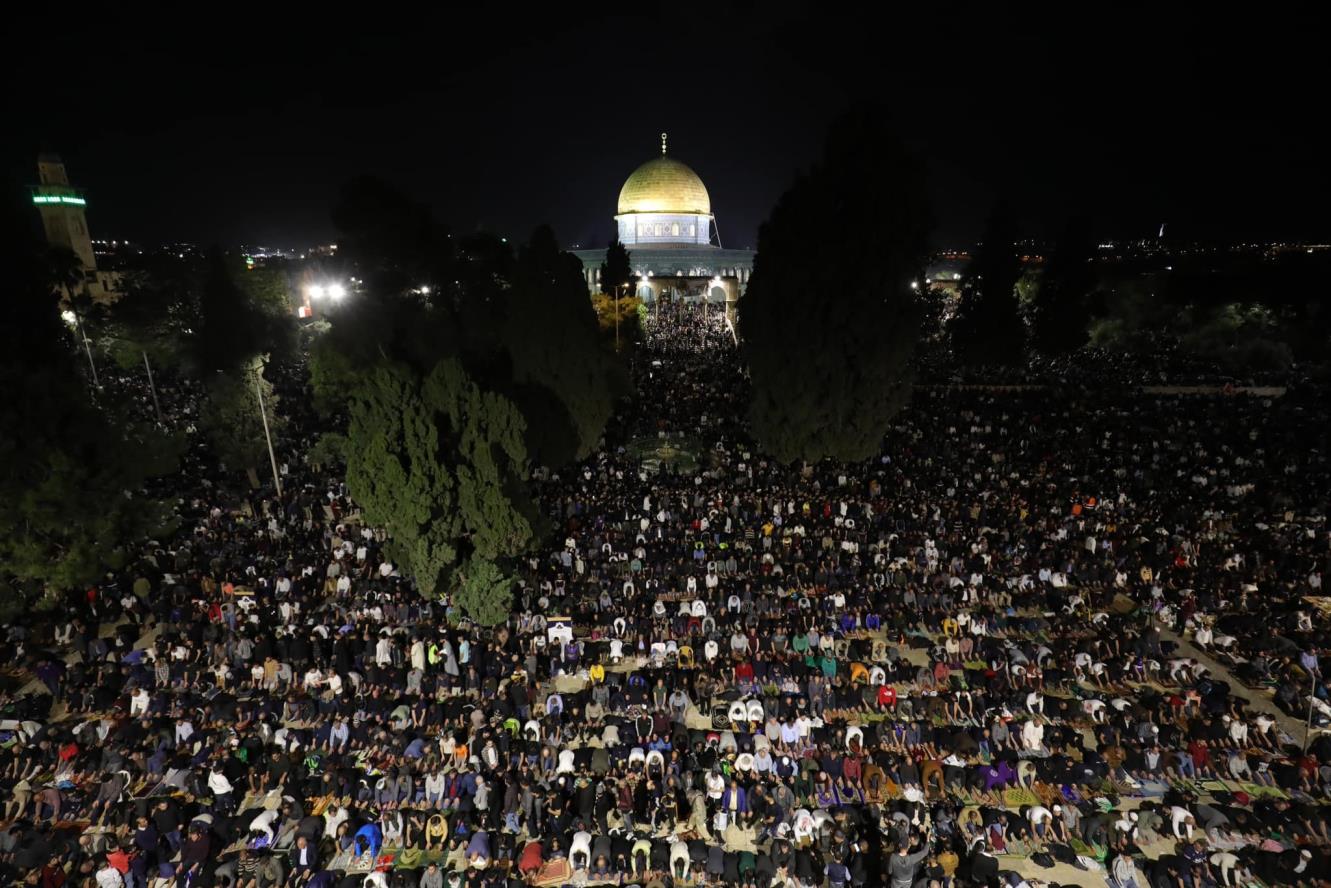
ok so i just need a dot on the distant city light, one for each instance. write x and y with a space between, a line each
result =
915 285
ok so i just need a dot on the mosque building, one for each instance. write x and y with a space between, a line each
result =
665 221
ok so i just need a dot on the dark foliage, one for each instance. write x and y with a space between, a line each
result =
987 329
829 321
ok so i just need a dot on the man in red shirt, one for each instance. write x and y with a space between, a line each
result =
887 697
119 858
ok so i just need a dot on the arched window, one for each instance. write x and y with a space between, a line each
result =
674 230
691 234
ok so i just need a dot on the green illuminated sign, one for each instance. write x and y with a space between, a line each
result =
58 199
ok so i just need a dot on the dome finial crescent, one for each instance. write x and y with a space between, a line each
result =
663 143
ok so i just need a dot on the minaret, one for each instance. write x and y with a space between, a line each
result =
62 208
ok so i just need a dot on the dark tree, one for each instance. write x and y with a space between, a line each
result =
987 329
154 315
829 320
238 320
454 363
394 242
432 456
224 335
565 381
72 474
1060 313
440 464
616 271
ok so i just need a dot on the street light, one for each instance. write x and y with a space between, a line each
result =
315 291
619 307
336 291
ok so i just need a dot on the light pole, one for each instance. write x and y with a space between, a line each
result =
263 412
72 315
707 300
619 308
152 387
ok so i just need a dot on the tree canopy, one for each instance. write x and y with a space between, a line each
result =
616 270
394 242
987 329
236 322
829 320
232 416
440 465
73 475
565 381
73 481
1061 308
458 364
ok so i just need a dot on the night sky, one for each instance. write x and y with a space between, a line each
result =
241 129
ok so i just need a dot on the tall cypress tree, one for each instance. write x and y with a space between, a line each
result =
987 329
829 321
615 270
1060 311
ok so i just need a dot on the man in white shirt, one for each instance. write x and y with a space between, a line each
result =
1040 818
109 877
1180 668
803 725
1032 735
1181 818
1231 874
264 824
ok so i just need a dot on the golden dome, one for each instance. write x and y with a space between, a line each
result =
664 185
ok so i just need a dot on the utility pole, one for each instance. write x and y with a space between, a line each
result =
258 387
152 386
78 323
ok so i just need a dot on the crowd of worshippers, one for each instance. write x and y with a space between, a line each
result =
934 668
